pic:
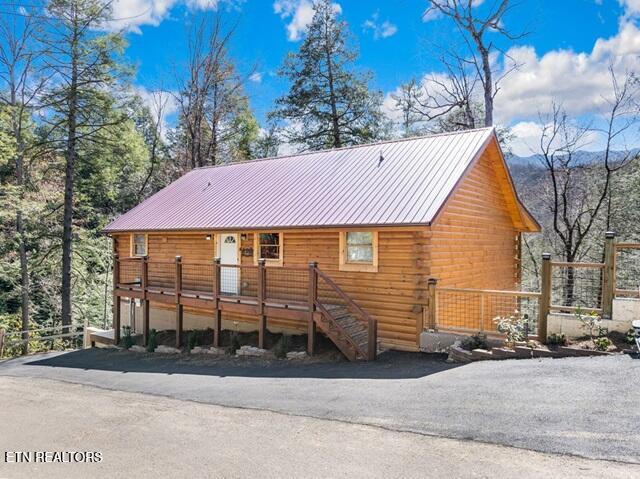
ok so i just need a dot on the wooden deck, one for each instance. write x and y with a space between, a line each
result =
316 301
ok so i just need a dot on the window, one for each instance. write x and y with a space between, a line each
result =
138 245
359 251
268 246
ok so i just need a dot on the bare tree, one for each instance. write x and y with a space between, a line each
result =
210 96
447 98
19 72
474 28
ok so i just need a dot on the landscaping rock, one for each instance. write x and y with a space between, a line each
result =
167 350
296 355
251 351
138 349
481 354
459 355
504 353
212 350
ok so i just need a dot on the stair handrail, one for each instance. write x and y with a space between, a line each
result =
372 324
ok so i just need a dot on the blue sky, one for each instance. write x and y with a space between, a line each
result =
564 58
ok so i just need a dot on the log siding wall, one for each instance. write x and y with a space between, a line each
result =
472 244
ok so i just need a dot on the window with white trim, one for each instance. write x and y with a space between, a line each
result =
268 246
359 251
138 245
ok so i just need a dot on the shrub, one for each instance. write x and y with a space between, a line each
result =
591 322
152 341
476 341
557 340
234 345
127 340
282 347
602 343
514 327
193 339
631 336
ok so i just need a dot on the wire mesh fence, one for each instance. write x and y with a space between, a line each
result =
129 272
161 275
469 310
577 285
198 277
239 280
627 270
287 284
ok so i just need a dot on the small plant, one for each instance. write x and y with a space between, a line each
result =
152 341
282 347
631 336
476 341
193 339
602 343
557 340
591 323
514 327
234 345
127 340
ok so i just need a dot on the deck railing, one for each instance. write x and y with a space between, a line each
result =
627 270
291 291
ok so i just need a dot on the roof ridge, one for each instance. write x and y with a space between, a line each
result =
350 147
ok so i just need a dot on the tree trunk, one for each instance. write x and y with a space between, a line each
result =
70 156
488 87
335 127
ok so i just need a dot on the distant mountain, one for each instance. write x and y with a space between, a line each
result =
581 158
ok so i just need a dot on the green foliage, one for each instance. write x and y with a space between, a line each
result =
631 336
514 327
194 337
329 103
126 340
282 347
555 339
476 341
234 344
152 341
591 322
602 343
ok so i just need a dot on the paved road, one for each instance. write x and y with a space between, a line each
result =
583 406
147 436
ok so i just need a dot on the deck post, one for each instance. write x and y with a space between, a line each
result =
609 280
144 282
313 296
262 319
179 307
2 334
432 322
545 297
217 318
116 300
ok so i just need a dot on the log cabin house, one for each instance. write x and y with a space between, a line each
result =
344 242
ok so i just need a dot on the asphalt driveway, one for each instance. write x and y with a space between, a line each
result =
583 406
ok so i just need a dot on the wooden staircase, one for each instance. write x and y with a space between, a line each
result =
350 328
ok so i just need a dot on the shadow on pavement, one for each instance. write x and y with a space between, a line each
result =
390 365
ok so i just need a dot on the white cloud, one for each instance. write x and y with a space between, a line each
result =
132 14
256 77
579 81
385 29
631 7
299 13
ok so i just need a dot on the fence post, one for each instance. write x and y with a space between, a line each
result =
2 334
116 300
609 280
86 341
432 322
262 319
217 319
313 296
144 283
179 308
545 297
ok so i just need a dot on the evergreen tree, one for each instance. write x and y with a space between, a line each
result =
329 103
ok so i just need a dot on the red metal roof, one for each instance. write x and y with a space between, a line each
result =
340 187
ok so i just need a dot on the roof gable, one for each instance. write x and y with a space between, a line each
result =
402 182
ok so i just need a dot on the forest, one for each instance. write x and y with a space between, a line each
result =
80 145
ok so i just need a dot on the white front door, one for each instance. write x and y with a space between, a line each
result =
228 251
